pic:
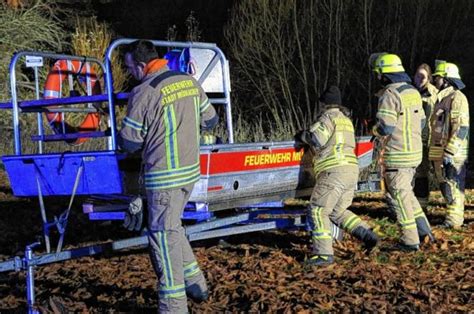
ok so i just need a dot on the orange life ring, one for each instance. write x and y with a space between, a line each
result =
53 89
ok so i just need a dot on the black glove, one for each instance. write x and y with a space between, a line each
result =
449 169
134 215
299 142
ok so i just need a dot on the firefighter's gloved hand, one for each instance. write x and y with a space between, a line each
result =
299 142
208 138
448 167
448 160
134 215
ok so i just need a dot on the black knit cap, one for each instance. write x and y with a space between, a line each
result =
331 96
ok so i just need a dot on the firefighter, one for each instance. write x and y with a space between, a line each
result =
336 172
400 119
428 93
449 140
164 116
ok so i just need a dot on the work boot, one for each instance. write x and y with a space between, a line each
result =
320 260
367 236
424 230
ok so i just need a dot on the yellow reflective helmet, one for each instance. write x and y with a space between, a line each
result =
386 63
446 69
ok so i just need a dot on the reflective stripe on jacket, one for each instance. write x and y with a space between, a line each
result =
164 114
450 126
400 118
334 133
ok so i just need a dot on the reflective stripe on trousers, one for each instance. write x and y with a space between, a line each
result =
453 192
399 184
170 252
331 197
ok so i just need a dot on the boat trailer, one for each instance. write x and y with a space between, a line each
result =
242 188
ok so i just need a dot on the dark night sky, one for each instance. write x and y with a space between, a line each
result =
151 19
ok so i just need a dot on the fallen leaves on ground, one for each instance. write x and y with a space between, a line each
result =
257 272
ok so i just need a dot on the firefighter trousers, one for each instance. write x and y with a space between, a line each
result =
410 215
452 184
332 195
170 252
422 223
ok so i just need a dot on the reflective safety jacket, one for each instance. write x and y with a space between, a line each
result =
333 137
164 115
429 98
450 126
400 119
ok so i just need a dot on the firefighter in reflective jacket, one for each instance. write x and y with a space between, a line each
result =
336 172
400 119
164 116
449 140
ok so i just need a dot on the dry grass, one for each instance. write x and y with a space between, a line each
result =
31 28
42 31
91 39
34 25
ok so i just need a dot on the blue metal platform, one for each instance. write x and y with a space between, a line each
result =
56 174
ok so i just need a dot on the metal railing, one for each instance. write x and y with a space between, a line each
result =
39 102
219 56
37 105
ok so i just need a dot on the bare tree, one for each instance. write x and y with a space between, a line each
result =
284 53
